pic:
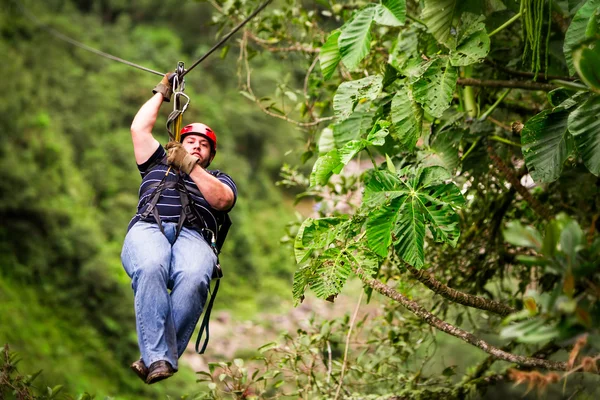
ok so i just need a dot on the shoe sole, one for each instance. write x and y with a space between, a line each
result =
143 375
158 377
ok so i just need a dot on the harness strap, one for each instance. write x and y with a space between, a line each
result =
205 320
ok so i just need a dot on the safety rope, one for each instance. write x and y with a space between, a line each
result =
74 42
226 37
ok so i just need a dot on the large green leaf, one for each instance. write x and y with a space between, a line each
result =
546 144
405 206
315 234
330 56
391 12
523 236
353 127
584 125
351 93
326 140
355 40
577 30
439 16
435 88
333 161
405 47
407 116
473 42
586 61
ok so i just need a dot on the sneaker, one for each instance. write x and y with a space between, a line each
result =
158 371
140 369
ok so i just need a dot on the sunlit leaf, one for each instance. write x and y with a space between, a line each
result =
355 40
350 93
329 56
391 12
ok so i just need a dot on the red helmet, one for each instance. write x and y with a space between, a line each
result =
200 129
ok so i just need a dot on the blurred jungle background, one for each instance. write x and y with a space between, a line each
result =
418 196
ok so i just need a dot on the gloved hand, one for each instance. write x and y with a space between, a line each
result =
178 157
165 87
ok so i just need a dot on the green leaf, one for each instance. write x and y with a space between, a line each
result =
577 31
439 15
571 238
391 12
443 150
435 88
406 206
380 224
325 166
326 140
329 56
407 116
405 48
352 128
350 93
546 144
332 272
584 125
586 61
471 49
524 236
355 40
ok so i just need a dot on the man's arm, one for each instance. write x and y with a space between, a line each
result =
216 193
144 144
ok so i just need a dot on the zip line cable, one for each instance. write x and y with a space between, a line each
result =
226 37
79 44
74 42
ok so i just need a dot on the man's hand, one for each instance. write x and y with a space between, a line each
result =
165 87
178 157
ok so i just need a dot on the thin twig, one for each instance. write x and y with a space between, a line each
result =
527 85
337 392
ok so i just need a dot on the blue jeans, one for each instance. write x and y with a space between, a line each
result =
157 264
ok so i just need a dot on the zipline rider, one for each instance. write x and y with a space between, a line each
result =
169 250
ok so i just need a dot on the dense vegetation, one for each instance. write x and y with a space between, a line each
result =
454 147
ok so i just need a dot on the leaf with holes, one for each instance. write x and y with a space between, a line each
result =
435 88
329 56
399 210
391 12
351 93
584 125
546 144
577 31
355 40
315 234
439 16
407 116
473 41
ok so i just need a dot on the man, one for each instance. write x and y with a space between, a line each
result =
169 250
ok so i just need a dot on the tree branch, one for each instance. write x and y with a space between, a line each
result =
538 207
526 74
456 296
527 85
465 336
